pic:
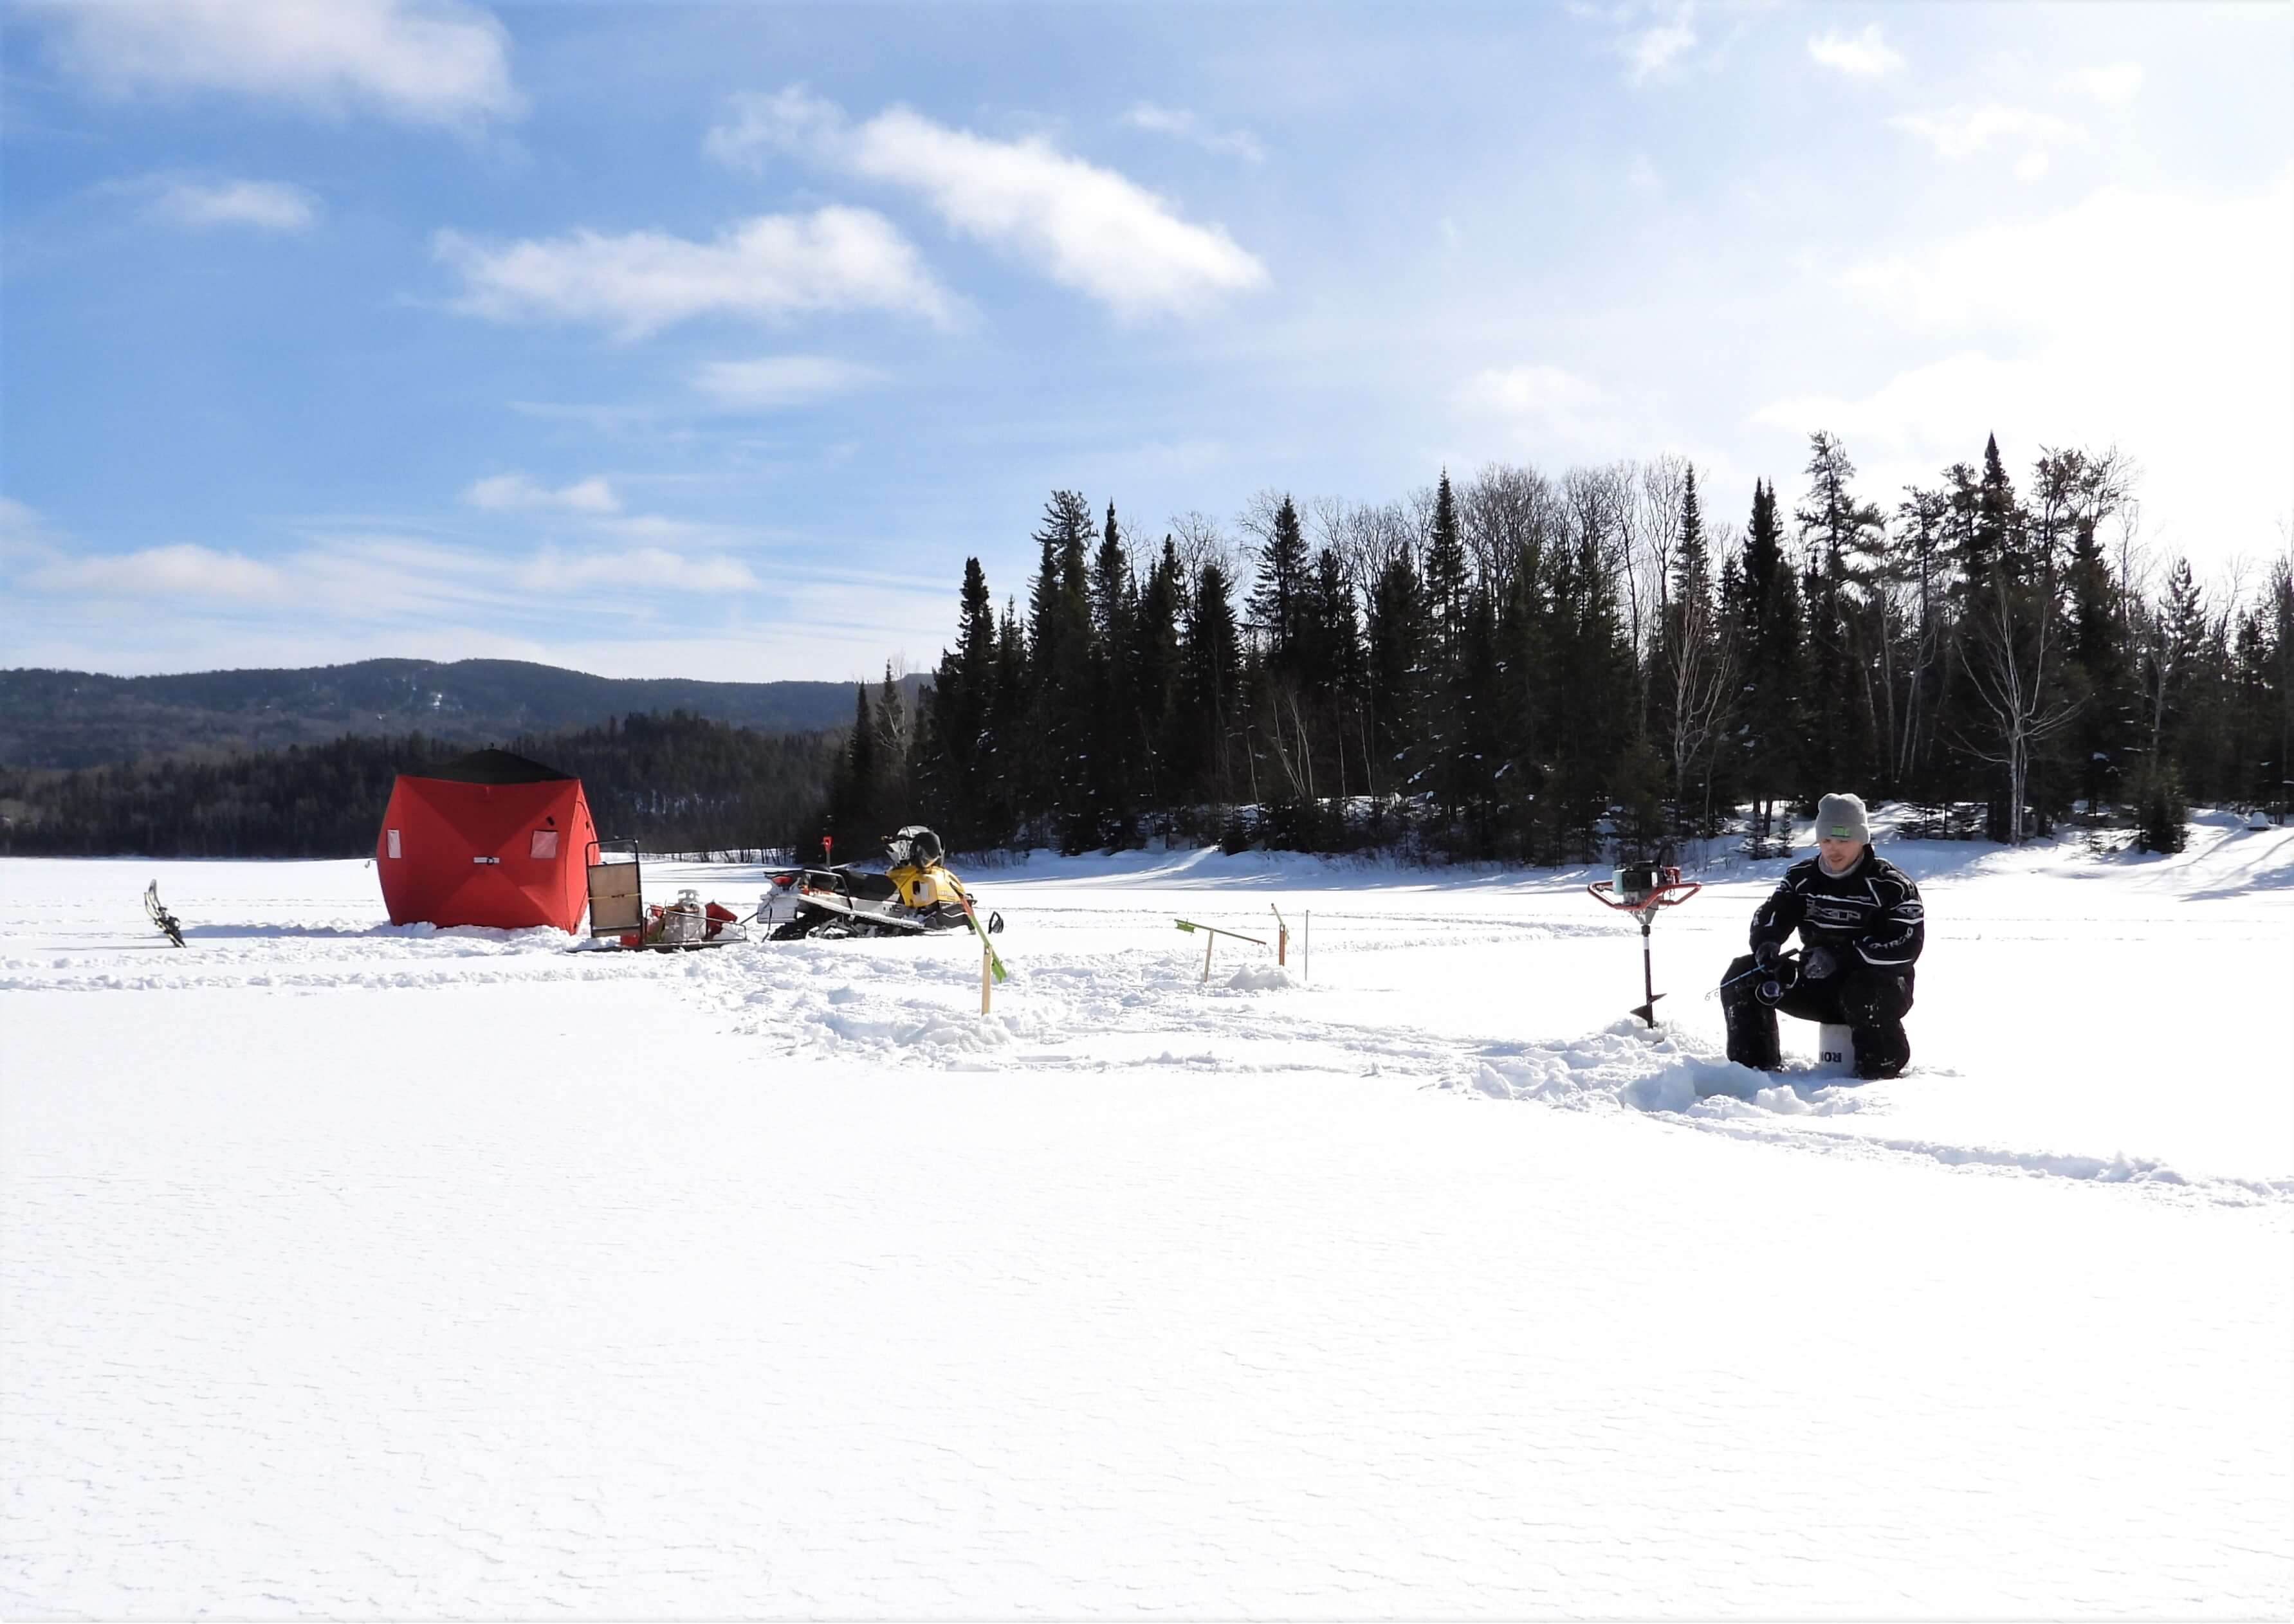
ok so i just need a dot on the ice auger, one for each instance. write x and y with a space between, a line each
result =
1641 891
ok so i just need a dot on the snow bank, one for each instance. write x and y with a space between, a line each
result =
1260 978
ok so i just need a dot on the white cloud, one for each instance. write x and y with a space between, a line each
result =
1088 227
1182 124
367 578
1545 407
2158 323
1535 390
2117 81
772 267
1651 51
658 530
23 532
2032 166
556 574
512 492
782 380
1863 56
421 61
269 206
184 571
2118 266
1963 132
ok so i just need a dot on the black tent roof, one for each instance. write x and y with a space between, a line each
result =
492 767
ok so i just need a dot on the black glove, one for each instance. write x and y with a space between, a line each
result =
1767 953
1818 963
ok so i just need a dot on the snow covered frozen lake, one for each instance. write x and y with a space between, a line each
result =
353 1270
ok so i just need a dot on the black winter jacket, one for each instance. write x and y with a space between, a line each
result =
1873 912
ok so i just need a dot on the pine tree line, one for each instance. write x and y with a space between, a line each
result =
1552 669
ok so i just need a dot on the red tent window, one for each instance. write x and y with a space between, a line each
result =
544 845
394 843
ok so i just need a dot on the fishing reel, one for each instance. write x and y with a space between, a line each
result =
1777 981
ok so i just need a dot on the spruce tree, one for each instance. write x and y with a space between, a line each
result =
1116 740
1064 688
852 792
1690 682
2095 652
1447 575
1841 535
2278 682
1400 635
1921 549
1155 664
1773 637
1212 684
1994 541
1524 656
1278 598
1476 749
894 736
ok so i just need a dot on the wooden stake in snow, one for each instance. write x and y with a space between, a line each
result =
1214 933
987 980
1281 936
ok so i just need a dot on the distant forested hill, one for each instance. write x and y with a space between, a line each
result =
76 719
678 783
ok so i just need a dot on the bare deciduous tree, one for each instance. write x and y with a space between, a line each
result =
1200 540
1507 514
2010 658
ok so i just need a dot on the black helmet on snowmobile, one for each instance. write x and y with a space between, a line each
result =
914 844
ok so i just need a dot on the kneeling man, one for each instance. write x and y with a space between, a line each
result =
1860 925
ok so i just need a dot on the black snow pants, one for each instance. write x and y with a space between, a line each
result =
1871 1003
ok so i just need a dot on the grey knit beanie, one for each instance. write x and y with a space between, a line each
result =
1842 817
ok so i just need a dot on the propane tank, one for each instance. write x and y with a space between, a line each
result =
684 924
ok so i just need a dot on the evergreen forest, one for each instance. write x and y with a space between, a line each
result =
678 783
1547 670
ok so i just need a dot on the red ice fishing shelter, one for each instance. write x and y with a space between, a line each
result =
486 839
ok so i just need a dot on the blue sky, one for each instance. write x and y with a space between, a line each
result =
670 340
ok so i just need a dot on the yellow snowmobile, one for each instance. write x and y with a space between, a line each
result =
916 894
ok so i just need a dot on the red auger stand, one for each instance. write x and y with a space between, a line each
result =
1641 891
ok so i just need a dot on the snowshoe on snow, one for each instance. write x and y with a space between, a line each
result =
167 922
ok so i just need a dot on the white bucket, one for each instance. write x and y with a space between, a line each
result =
1835 1050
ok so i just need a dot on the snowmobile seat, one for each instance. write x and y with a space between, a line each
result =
866 887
